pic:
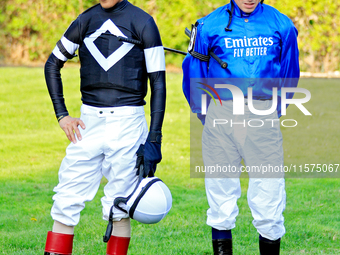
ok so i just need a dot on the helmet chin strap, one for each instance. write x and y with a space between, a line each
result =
227 29
119 200
116 203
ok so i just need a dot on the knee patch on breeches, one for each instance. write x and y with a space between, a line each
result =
122 228
63 229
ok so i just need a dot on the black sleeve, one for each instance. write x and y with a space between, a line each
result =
64 50
155 62
54 85
158 99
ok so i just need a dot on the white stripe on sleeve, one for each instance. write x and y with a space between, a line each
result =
56 52
69 46
155 59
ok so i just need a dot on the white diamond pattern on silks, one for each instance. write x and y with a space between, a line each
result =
107 63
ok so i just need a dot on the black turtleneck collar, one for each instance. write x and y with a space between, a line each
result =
117 7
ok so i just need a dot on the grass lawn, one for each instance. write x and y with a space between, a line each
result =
32 146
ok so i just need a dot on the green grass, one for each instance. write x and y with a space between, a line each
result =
32 146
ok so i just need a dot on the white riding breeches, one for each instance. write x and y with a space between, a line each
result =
108 148
226 140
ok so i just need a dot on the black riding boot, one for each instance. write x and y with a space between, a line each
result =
268 247
222 246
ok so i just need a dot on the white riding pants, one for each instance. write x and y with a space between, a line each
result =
108 148
238 137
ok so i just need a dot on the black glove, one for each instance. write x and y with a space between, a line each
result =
149 154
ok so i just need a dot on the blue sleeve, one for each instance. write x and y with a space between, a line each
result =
290 70
290 54
195 68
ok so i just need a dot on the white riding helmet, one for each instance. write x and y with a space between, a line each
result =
150 202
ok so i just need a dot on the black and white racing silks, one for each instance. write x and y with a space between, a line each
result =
113 73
